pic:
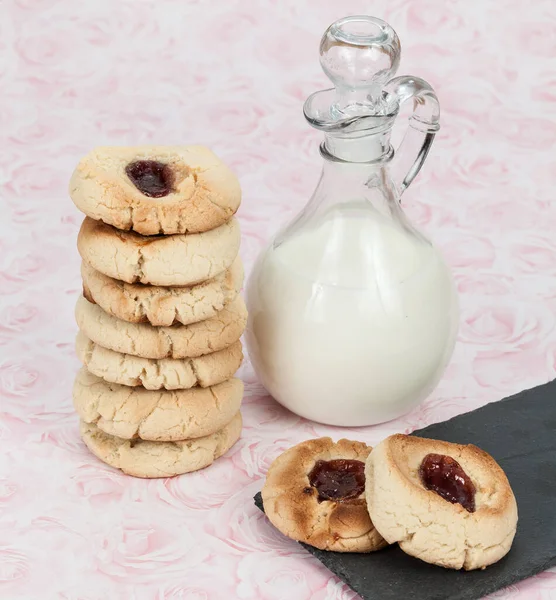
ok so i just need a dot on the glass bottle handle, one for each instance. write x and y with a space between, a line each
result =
423 125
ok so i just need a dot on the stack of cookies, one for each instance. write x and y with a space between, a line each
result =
161 317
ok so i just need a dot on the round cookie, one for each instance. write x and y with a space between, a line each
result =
138 303
166 373
177 341
170 260
306 508
156 189
166 416
142 458
406 510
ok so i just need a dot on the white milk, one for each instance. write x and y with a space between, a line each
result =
352 322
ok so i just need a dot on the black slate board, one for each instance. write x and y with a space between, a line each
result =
520 433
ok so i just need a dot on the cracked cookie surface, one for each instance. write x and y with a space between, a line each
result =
425 524
168 260
134 412
138 303
292 504
148 459
204 192
177 341
164 373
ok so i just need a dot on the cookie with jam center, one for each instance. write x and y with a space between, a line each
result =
448 504
156 189
315 493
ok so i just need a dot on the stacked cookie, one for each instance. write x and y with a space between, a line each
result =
161 317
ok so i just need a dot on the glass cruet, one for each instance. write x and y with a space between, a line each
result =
353 313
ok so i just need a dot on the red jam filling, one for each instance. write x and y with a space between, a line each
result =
338 480
151 178
444 475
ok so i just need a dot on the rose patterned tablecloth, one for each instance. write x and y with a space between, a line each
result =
233 74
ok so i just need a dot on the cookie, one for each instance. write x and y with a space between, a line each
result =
138 303
156 189
177 341
314 493
169 260
166 416
447 504
147 459
166 373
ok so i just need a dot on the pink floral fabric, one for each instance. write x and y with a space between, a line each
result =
233 75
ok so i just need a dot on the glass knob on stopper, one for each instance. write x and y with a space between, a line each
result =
359 54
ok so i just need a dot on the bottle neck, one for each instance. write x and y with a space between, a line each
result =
343 183
373 148
342 178
348 188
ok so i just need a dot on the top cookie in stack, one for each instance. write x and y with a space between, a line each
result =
156 189
161 308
